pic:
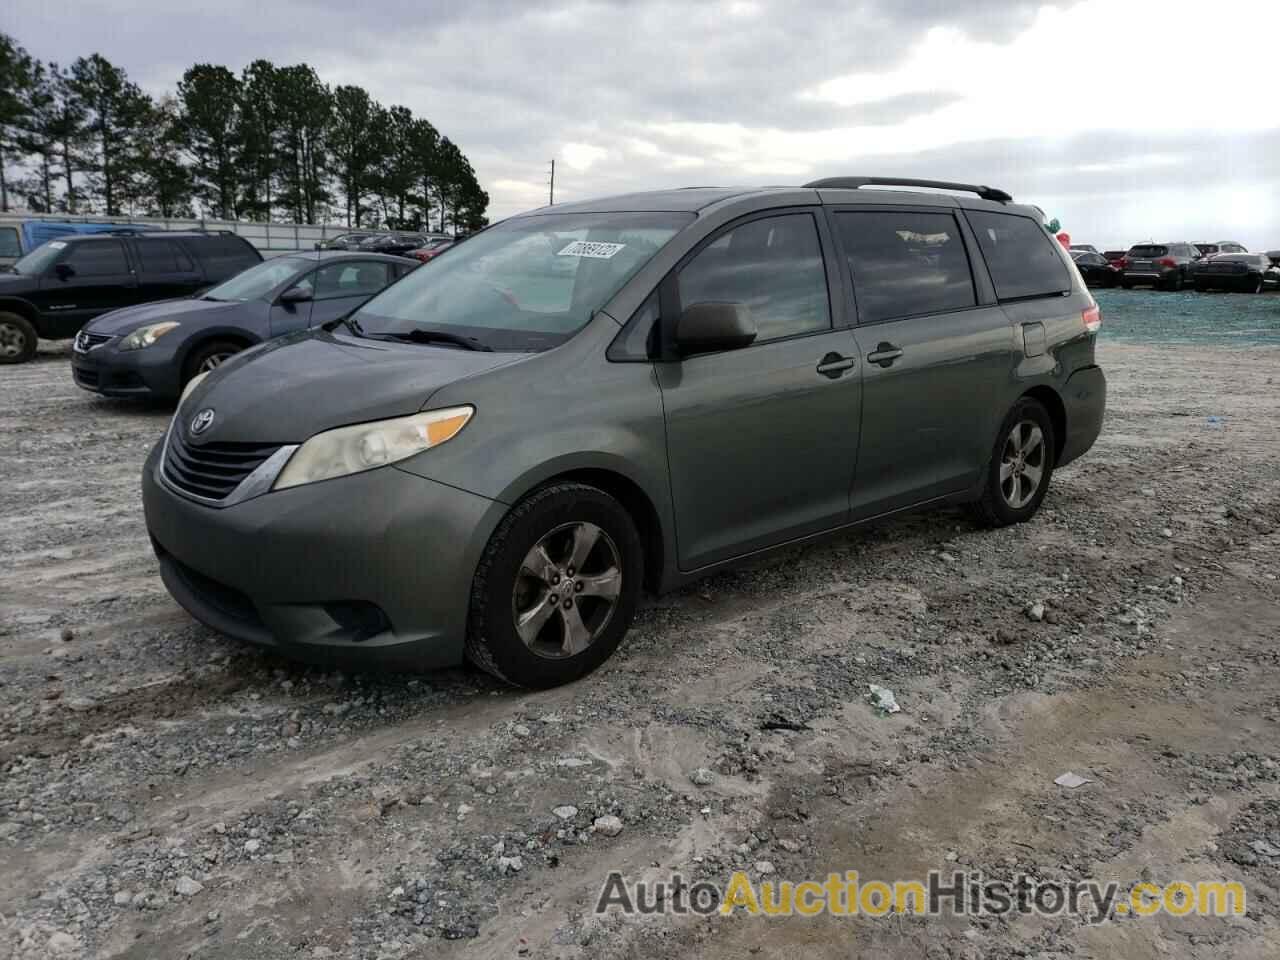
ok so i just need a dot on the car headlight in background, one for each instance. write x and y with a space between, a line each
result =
336 453
146 336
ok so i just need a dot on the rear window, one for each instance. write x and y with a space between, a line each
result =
1147 251
1021 256
905 264
222 256
161 256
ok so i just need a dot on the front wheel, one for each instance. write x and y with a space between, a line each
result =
1021 464
556 587
17 338
209 356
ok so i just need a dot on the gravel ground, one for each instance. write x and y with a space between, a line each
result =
167 793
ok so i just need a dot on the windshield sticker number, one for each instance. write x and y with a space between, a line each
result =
591 248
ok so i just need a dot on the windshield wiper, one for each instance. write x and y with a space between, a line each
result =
418 335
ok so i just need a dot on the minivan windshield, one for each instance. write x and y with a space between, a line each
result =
527 284
258 280
40 259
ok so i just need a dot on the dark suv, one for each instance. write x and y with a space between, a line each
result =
61 285
1164 266
492 457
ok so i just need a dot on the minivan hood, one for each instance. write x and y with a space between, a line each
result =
288 389
128 319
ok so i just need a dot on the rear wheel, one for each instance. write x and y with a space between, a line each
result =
209 356
1020 467
556 587
17 338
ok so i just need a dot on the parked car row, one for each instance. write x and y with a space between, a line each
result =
393 242
1223 265
151 310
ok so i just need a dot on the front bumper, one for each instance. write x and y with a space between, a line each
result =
151 372
1085 400
372 569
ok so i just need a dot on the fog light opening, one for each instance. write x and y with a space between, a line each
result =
359 618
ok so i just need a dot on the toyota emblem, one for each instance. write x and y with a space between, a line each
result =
201 421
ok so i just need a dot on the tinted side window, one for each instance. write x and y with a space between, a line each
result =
350 280
98 258
222 257
9 246
905 264
773 266
1020 255
161 256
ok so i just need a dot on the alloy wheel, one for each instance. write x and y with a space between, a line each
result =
1022 463
566 590
213 361
12 340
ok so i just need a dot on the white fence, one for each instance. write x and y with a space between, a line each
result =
271 239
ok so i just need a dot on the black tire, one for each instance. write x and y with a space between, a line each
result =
993 508
493 642
1202 288
208 355
1258 287
1176 285
17 338
1126 284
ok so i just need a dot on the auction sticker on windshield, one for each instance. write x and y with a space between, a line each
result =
591 248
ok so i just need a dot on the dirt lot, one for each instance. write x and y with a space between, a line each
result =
165 793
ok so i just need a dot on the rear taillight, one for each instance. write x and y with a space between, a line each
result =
1092 317
1122 262
1167 262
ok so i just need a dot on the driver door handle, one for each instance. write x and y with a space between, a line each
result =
833 365
884 354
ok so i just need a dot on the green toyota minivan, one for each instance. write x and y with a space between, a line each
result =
492 458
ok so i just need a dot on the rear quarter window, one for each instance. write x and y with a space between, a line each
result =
1021 256
9 245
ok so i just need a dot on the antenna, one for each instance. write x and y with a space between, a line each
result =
552 201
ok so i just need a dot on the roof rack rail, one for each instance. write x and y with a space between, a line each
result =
853 183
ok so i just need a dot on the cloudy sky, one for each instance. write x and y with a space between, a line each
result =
1128 121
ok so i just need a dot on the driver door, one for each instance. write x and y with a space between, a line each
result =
762 440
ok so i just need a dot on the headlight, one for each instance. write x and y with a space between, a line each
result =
191 385
146 336
336 453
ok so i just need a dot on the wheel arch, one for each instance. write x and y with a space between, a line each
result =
22 308
1048 398
198 340
637 503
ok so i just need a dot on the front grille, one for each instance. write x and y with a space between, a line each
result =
212 470
86 341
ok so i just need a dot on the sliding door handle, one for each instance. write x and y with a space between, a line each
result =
884 354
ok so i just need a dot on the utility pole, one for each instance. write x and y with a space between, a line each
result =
553 183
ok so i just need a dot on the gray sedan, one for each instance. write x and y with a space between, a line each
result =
154 349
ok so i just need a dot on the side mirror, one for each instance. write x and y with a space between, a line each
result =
298 294
64 271
714 325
